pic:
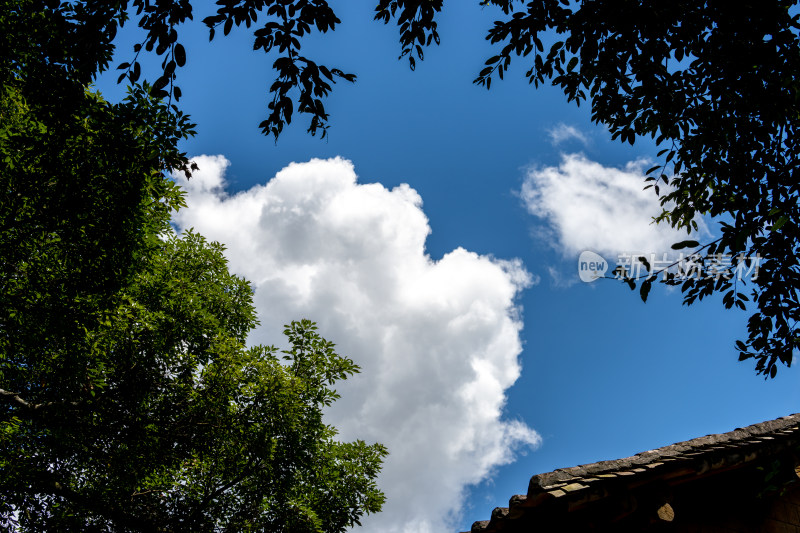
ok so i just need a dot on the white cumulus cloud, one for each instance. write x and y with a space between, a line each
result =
438 341
589 206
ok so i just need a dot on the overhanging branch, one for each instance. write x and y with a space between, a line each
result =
15 399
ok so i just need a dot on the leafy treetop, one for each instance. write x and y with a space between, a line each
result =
128 398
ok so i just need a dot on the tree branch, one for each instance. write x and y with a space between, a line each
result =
17 400
47 483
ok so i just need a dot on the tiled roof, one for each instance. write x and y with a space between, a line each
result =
572 488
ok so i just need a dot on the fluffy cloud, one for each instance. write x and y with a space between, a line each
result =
590 206
438 341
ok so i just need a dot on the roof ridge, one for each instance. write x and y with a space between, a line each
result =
738 435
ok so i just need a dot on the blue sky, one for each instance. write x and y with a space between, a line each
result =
528 368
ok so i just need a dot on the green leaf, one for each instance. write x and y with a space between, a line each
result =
573 62
180 55
685 244
160 83
644 289
780 222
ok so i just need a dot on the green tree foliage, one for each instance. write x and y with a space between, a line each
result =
128 398
164 421
298 78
